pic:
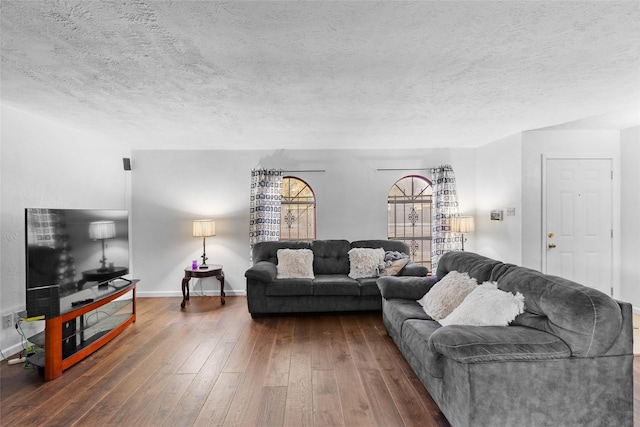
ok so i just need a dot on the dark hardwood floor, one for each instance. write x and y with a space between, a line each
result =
213 365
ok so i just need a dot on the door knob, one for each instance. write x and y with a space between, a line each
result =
552 245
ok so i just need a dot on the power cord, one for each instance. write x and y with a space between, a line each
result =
23 340
197 282
95 313
27 349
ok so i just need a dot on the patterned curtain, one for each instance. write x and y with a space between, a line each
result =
264 214
444 207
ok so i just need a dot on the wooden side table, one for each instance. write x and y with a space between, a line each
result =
213 270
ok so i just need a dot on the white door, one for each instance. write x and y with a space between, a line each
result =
579 221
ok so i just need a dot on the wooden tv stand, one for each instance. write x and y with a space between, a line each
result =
82 329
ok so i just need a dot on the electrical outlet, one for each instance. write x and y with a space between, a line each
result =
7 321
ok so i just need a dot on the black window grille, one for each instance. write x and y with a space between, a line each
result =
298 210
409 216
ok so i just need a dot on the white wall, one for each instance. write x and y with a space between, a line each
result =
498 187
43 164
629 223
47 165
171 188
563 143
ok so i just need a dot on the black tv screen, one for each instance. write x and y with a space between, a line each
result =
75 249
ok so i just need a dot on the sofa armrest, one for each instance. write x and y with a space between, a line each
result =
262 271
414 269
406 287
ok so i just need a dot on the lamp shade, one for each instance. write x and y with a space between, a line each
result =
463 224
204 228
102 230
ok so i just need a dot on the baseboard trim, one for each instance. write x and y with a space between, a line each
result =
9 352
168 294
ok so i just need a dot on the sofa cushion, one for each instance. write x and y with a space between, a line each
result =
335 284
415 335
268 251
295 263
473 344
478 266
330 256
486 305
447 294
365 262
368 286
586 319
387 245
289 287
401 310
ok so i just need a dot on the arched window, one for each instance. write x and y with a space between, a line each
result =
409 216
298 213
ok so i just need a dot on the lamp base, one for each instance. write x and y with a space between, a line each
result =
204 255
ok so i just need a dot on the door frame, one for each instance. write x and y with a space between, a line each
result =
615 212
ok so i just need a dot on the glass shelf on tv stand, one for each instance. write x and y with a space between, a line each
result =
96 323
88 326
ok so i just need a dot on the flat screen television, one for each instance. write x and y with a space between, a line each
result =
71 250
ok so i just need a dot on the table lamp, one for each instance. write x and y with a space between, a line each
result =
102 230
204 228
462 224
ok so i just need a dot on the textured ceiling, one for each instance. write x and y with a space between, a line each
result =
244 75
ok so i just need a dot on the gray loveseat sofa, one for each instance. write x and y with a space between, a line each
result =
331 289
566 361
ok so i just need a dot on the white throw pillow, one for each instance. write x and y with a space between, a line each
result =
447 294
486 306
295 264
365 262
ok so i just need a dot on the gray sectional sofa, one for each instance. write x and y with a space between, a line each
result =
330 290
567 360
